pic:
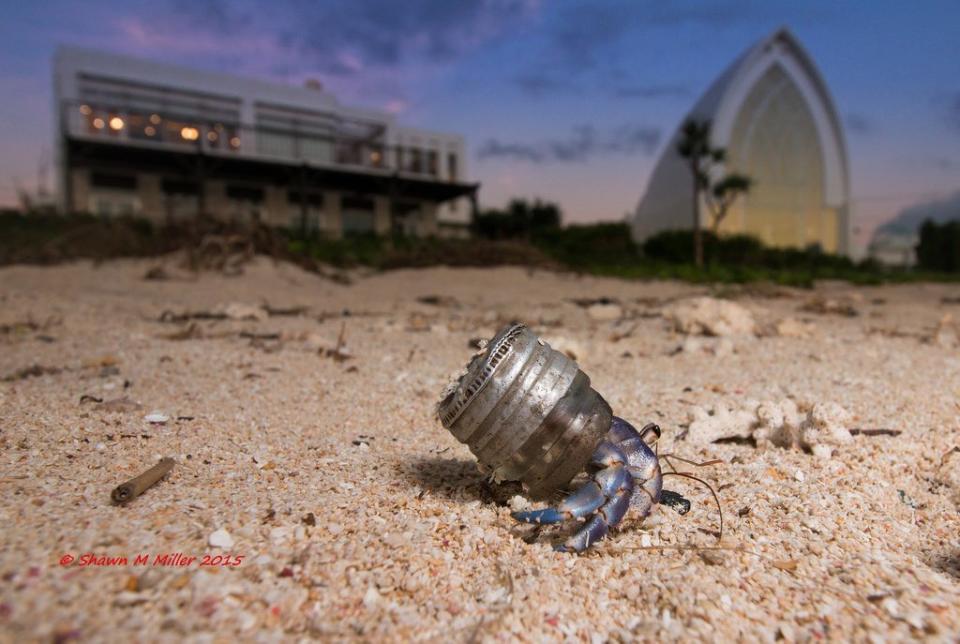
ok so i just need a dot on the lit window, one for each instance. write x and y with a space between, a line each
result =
116 123
189 133
98 123
235 142
85 110
155 119
375 157
212 136
150 130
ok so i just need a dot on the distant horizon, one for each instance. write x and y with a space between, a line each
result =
556 101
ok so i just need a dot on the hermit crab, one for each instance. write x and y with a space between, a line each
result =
529 414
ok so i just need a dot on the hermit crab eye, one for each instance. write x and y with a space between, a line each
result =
650 433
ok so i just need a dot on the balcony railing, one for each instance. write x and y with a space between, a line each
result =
294 144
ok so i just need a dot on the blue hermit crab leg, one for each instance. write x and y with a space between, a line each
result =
617 461
644 465
586 500
608 516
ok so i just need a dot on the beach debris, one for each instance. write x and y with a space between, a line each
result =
570 347
946 334
439 300
831 306
156 273
139 484
122 404
186 316
21 328
33 371
858 431
587 302
605 312
339 352
289 311
817 428
242 311
418 323
622 331
790 327
906 500
719 347
190 332
220 539
709 316
156 418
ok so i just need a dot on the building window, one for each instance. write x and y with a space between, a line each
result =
181 198
305 212
113 195
113 181
404 218
357 215
376 156
415 163
432 163
246 203
452 166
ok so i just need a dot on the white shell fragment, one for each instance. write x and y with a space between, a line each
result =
710 316
156 418
220 539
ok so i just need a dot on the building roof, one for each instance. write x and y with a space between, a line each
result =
669 188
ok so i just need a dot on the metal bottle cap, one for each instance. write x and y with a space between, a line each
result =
526 411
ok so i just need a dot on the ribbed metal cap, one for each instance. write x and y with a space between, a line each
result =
526 411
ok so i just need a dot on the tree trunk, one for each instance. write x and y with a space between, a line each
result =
697 235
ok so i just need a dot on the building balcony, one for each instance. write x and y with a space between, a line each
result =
353 146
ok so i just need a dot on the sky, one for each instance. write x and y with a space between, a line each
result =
562 100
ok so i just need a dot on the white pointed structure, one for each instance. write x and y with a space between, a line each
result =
772 112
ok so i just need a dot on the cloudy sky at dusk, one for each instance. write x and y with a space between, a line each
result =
569 101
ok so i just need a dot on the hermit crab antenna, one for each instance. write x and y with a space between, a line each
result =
668 456
709 487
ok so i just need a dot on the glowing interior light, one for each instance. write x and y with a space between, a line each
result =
190 133
375 157
235 142
98 123
155 119
149 130
85 110
212 135
116 123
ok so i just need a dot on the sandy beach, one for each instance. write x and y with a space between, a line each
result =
315 494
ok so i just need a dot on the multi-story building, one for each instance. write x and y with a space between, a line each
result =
164 142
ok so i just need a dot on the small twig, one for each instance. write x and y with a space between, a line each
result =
139 484
857 431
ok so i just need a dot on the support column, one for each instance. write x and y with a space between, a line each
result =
214 202
381 216
428 219
332 215
151 197
79 190
275 202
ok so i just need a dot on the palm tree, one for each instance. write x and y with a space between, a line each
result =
694 146
722 196
702 157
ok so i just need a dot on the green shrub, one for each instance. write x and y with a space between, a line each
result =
939 247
